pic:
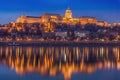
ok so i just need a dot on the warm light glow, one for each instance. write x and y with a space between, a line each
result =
45 60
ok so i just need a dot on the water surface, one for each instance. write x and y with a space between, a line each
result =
59 63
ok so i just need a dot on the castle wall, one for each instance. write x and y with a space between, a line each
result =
47 18
25 19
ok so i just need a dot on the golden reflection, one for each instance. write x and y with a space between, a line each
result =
65 60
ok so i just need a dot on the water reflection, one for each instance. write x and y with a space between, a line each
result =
60 60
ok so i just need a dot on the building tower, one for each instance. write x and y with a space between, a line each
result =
68 14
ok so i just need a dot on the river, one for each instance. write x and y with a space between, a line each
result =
59 62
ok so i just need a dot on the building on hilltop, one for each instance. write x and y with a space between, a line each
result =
68 14
102 23
68 18
28 19
51 18
57 18
87 20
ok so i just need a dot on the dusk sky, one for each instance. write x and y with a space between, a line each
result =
108 10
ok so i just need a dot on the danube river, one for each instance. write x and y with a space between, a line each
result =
59 63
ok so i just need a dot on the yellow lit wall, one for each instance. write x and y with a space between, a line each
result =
25 19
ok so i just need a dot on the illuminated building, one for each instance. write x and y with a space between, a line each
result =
48 18
102 23
87 20
51 18
28 19
68 14
82 20
68 18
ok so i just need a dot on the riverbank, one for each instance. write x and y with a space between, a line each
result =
61 43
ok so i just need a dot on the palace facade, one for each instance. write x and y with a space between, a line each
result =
28 19
57 18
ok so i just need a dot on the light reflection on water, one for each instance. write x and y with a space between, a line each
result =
54 61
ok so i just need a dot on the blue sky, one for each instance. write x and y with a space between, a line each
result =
108 10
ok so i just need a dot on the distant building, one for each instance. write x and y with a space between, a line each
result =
57 18
68 18
68 14
116 24
28 19
51 18
87 20
102 23
81 33
107 32
62 34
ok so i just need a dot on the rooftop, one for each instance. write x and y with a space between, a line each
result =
51 14
32 17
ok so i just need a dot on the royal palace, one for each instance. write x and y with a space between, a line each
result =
57 18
